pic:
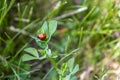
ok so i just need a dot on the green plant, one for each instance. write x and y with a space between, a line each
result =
67 69
87 35
70 69
4 9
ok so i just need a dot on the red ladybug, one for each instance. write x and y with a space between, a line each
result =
42 36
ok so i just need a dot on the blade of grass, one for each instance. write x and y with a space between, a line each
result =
7 10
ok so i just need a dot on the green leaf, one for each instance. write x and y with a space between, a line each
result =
42 52
73 78
42 44
43 57
75 69
32 51
59 72
45 28
48 28
27 57
67 77
52 27
64 67
71 64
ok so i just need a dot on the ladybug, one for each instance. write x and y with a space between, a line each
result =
42 36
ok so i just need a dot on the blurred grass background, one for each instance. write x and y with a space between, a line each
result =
94 32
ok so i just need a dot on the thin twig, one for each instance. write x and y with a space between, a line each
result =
71 13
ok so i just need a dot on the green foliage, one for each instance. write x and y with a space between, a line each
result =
72 69
4 8
48 28
86 37
46 53
32 51
71 64
52 27
27 57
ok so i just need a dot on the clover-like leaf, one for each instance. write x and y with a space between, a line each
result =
52 27
67 77
43 29
47 28
32 51
76 68
71 64
73 78
27 57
